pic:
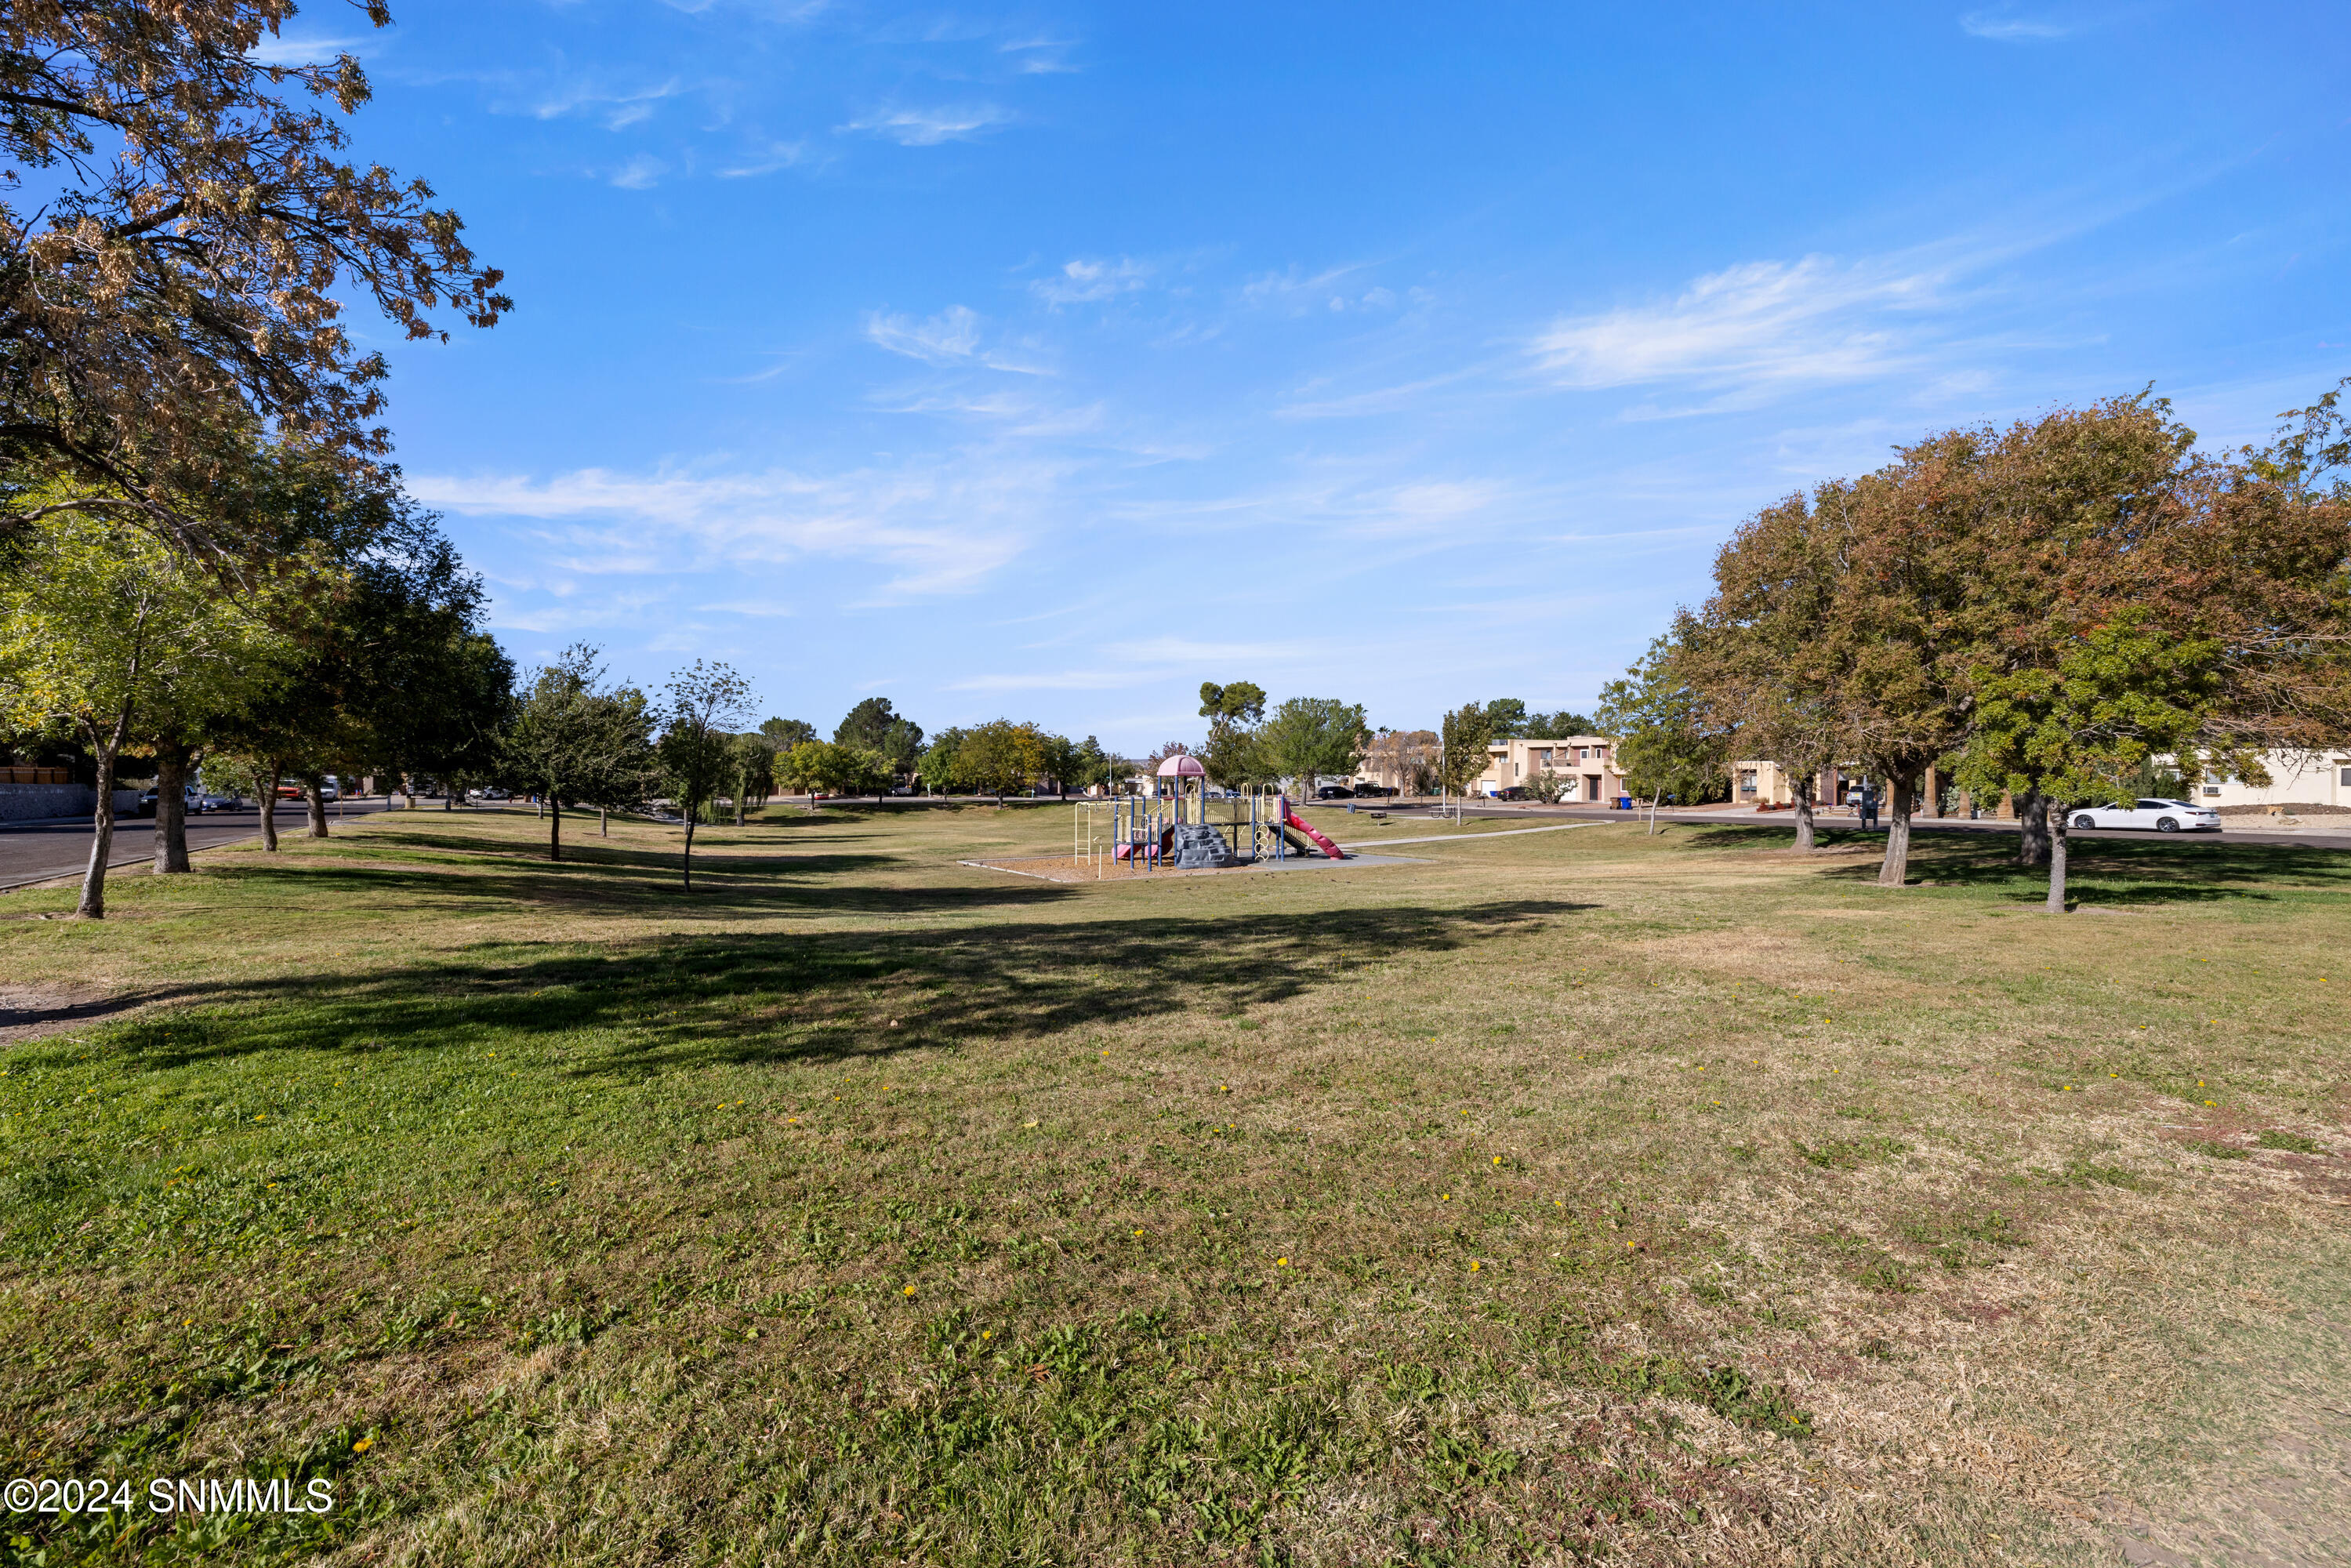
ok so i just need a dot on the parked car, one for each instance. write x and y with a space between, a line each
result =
2162 816
1515 792
494 793
221 802
1334 792
189 801
1376 792
290 791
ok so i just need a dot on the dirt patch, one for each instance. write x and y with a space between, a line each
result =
30 1015
1068 868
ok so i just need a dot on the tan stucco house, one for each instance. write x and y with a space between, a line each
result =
1585 762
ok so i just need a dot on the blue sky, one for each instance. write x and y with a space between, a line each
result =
1048 360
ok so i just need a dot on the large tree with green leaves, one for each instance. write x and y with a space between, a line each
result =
178 273
1232 757
575 738
705 704
1667 745
1462 735
937 766
2140 600
1000 758
783 734
1305 737
755 770
105 632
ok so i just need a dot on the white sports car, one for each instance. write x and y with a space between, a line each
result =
2163 816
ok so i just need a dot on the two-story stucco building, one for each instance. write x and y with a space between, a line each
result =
1585 764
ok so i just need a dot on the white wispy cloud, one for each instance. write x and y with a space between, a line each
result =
618 108
951 335
1378 400
762 608
2008 27
938 527
1039 57
930 127
272 51
766 158
1763 321
1053 681
640 173
1294 288
1086 280
1187 651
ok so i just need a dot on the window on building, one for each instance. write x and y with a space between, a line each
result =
1747 781
2211 788
2346 778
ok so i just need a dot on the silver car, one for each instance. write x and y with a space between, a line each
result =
2162 816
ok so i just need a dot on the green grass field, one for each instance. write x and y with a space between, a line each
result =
1578 1196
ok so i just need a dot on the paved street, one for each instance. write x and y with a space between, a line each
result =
37 852
1725 817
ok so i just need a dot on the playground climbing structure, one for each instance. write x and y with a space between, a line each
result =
1180 827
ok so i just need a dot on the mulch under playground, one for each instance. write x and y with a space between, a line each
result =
1102 868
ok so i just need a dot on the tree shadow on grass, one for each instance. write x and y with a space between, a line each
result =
804 885
2105 871
745 998
468 849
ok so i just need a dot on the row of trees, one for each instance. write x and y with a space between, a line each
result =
203 553
2042 612
575 740
1299 739
1002 758
355 642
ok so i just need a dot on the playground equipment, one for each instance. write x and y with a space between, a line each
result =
1178 826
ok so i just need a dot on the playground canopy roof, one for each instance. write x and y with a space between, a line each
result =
1181 765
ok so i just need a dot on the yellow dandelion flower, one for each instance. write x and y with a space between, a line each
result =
1498 1159
1281 1262
910 1289
1473 1265
1443 1197
1138 1231
988 1334
363 1445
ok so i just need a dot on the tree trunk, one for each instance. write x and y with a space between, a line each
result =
2054 821
554 826
102 840
686 865
269 811
315 789
603 825
1804 839
2032 831
408 787
170 809
738 807
1653 811
1897 832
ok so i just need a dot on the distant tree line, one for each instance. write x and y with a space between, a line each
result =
2048 612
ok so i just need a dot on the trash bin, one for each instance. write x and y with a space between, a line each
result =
1624 802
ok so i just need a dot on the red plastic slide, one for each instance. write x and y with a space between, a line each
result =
1325 845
